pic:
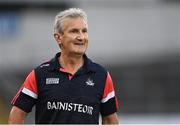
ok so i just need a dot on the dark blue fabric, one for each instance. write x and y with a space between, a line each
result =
69 101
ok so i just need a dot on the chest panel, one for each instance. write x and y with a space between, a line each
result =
85 89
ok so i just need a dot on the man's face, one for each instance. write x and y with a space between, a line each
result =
74 40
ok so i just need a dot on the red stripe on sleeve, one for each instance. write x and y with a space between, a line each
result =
117 104
30 82
17 95
108 86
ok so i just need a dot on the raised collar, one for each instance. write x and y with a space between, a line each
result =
87 67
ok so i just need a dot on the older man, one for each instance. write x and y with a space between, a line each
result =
70 88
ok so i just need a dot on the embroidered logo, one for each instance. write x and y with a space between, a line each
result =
52 80
90 82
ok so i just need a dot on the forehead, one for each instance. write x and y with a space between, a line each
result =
78 23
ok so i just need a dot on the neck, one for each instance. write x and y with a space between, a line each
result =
71 62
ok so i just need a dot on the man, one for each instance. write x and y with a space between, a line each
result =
70 88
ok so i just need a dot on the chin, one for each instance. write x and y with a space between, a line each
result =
79 53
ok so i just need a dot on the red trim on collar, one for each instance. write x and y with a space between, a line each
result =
64 70
70 76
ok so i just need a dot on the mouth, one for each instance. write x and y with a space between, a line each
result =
79 43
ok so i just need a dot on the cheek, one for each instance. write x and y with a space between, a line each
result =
86 38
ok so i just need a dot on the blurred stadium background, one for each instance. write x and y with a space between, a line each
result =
137 40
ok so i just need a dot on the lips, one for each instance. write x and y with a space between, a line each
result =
79 43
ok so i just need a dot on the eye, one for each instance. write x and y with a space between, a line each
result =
84 30
74 31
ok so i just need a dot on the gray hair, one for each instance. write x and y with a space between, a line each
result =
69 13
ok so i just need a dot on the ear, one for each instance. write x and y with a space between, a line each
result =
57 37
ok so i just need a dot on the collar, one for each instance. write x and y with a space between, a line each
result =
88 65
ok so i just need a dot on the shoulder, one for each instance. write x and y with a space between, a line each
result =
43 67
42 71
96 67
99 68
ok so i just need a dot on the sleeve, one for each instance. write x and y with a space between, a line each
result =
27 94
109 103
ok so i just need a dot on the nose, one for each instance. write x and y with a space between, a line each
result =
80 36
